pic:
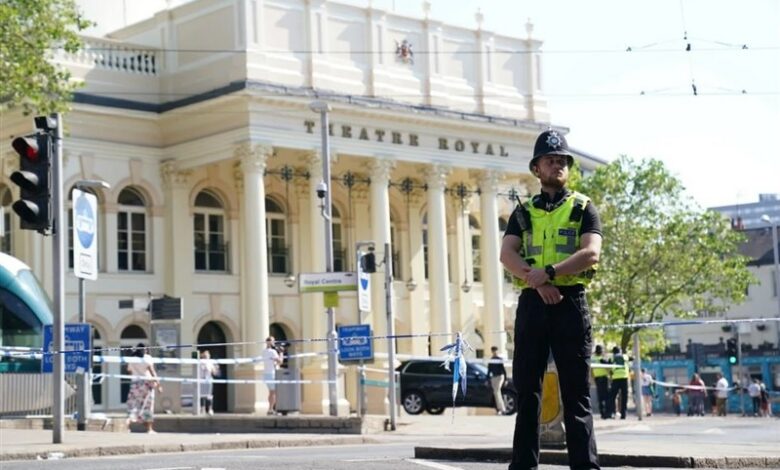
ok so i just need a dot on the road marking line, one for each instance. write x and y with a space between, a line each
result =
170 468
374 459
428 463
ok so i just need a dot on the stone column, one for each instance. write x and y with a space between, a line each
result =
462 272
438 269
419 319
492 271
254 288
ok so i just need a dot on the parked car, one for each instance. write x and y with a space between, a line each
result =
427 386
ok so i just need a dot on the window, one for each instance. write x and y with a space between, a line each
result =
276 233
6 198
339 251
476 235
209 233
97 367
131 231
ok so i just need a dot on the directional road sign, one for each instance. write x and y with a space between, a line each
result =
355 343
78 337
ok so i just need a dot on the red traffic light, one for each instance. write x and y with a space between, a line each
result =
26 147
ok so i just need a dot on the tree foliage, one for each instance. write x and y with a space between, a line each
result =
31 31
661 255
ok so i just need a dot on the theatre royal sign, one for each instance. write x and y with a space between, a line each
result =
347 131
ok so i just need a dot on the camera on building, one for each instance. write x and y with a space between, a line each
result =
322 189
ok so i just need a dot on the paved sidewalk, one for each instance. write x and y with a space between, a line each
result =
621 442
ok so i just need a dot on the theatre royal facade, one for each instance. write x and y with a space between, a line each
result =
199 117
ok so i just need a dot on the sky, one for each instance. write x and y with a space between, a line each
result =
722 143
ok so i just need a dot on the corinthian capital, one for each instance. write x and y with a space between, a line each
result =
436 176
173 177
381 168
489 179
253 158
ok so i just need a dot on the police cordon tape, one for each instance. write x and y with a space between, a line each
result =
20 351
216 381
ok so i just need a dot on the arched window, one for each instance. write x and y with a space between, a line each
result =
97 367
476 258
131 231
6 198
209 233
276 234
339 250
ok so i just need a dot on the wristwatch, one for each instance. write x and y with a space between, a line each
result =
550 270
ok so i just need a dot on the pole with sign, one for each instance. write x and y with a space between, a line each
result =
85 266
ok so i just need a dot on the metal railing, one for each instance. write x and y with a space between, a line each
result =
23 394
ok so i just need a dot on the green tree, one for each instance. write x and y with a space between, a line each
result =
661 254
31 31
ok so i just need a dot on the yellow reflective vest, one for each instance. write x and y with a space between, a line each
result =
620 372
598 371
551 237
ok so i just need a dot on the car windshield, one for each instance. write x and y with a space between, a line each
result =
479 367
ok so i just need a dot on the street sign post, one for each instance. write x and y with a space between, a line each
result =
85 260
355 343
78 337
326 282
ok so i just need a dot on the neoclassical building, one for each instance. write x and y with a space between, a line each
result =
199 118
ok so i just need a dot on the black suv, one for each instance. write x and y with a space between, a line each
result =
427 385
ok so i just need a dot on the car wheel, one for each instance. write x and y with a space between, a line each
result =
435 410
510 402
414 403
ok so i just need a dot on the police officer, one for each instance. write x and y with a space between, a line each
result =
619 382
601 378
551 245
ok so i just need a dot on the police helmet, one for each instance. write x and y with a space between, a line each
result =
551 142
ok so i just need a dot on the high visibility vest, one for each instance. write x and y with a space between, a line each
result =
551 237
620 372
599 371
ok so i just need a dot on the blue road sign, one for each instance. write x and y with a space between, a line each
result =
78 337
355 343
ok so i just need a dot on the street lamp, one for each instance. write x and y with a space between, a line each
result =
84 380
773 224
324 194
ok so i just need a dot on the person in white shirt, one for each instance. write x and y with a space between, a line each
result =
271 360
140 398
647 392
208 370
754 390
721 393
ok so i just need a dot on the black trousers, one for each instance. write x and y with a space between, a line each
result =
602 394
619 386
565 330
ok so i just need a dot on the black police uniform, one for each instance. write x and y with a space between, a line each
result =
563 328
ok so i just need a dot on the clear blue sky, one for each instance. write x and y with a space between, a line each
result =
722 144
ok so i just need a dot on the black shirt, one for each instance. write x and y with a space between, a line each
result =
591 223
496 369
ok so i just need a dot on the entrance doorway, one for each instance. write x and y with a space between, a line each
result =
212 334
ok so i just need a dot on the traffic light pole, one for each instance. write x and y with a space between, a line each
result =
58 265
739 365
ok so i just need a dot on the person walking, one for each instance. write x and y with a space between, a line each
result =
619 388
208 370
140 398
551 246
497 374
601 378
648 386
696 390
271 361
721 393
754 390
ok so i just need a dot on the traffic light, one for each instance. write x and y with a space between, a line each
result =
34 181
731 350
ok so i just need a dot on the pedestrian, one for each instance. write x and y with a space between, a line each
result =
721 393
754 390
677 401
696 390
271 361
140 398
551 245
619 389
764 398
648 384
208 370
601 378
497 374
